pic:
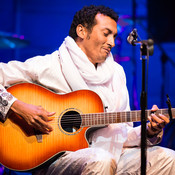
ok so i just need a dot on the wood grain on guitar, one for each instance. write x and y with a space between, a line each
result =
23 148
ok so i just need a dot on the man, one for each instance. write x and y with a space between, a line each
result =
84 61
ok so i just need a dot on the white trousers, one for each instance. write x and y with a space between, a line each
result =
93 161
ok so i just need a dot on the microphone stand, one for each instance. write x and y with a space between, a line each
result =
146 49
143 102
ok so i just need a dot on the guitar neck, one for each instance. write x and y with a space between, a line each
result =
98 119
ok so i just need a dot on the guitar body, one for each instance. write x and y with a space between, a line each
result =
22 148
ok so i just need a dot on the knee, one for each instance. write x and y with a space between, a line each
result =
162 156
163 159
104 161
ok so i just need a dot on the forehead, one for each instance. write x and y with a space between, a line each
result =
106 22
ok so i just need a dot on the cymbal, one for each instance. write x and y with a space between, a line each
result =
12 41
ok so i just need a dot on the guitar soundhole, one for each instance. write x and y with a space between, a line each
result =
71 121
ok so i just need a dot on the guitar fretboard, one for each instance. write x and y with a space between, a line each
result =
97 119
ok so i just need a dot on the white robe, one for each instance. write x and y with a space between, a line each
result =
47 71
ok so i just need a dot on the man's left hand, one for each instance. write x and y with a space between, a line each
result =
157 122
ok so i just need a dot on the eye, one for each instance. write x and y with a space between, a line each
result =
115 36
106 34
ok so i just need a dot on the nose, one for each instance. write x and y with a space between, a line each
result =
111 41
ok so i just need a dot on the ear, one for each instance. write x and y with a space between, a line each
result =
81 31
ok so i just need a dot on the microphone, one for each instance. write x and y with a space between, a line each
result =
132 38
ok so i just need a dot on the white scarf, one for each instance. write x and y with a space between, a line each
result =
80 73
108 81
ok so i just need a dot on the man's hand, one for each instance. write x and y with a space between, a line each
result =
157 123
35 116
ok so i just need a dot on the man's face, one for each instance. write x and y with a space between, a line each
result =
97 44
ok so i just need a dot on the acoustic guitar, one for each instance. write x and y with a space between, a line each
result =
22 148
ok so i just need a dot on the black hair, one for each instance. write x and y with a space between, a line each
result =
86 17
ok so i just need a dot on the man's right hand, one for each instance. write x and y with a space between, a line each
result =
35 116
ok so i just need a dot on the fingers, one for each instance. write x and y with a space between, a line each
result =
44 114
157 122
156 125
154 108
36 116
160 118
41 120
40 127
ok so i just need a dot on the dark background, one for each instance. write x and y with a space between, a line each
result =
37 27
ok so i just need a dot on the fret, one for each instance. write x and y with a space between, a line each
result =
91 120
87 120
114 118
123 119
128 117
111 118
138 115
97 116
135 115
94 119
119 118
106 118
103 120
82 120
97 119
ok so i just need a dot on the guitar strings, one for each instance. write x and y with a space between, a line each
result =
115 117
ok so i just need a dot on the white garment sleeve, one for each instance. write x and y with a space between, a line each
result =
44 70
11 73
6 100
15 72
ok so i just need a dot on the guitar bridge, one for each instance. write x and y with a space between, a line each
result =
39 136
